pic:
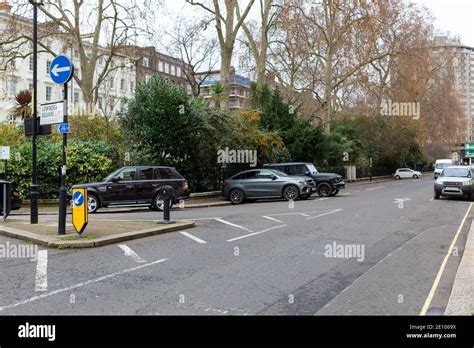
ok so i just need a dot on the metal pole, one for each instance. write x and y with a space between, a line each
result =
34 184
62 189
5 201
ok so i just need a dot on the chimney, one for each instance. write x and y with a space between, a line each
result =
5 6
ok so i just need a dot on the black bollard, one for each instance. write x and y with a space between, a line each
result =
166 194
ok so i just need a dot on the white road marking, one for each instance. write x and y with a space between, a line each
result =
255 233
211 218
233 225
189 235
374 188
323 214
131 253
79 285
428 300
270 218
41 283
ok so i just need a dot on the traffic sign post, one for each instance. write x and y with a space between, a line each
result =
80 217
5 155
61 72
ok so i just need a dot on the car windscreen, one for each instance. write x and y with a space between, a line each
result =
110 176
278 172
312 169
457 172
442 165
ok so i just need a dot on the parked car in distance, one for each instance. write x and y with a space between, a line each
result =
405 173
455 181
440 164
139 185
266 183
326 184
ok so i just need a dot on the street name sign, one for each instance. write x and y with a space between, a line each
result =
5 153
52 113
61 70
80 212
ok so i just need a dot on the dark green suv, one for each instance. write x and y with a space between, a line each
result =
326 184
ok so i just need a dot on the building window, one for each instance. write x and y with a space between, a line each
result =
122 85
30 63
132 87
160 66
178 71
76 98
49 91
13 87
48 67
112 83
173 70
146 62
167 68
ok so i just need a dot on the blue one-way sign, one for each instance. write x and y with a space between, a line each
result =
61 70
63 128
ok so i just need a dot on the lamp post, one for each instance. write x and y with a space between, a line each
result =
34 174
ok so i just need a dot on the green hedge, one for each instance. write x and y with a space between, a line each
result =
87 161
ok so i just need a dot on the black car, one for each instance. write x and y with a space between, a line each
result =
138 185
327 184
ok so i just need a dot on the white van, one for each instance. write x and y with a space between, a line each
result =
440 165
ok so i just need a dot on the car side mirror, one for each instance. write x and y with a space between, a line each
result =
307 173
274 177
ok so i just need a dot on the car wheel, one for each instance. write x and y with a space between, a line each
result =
397 177
236 196
415 176
324 190
437 194
92 203
159 204
333 193
291 193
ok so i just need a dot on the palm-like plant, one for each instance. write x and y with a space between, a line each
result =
22 108
217 94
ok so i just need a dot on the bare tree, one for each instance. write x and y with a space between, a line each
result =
227 31
98 30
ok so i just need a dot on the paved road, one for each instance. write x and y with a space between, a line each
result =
260 258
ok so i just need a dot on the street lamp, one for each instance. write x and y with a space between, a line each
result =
34 175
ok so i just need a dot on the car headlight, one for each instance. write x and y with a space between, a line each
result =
466 183
439 182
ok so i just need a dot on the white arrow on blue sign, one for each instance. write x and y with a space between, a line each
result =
61 70
63 128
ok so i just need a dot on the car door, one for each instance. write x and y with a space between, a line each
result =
123 191
144 184
248 182
264 185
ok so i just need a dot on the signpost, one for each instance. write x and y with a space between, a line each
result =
5 156
80 211
61 72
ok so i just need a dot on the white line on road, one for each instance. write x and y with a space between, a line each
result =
189 235
323 214
255 233
431 199
211 218
270 218
432 292
374 188
233 225
131 253
79 285
41 283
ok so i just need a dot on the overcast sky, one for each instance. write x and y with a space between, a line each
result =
455 16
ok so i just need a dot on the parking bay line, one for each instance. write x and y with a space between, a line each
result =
323 214
255 233
374 188
41 281
196 239
131 253
233 225
79 285
270 218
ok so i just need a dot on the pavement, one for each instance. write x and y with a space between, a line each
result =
380 248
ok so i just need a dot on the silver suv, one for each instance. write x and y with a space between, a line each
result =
455 181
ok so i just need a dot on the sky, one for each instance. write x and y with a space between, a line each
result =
454 16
